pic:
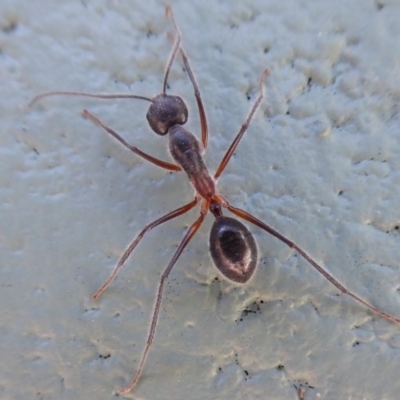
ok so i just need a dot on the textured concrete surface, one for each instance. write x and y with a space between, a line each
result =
320 163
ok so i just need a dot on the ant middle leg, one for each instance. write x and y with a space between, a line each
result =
153 160
173 214
243 129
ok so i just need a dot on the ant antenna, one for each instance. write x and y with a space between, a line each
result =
83 94
175 48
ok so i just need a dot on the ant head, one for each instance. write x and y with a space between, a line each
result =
166 111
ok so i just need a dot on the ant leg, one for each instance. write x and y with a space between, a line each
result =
243 129
202 113
173 214
156 161
83 94
203 118
248 217
188 236
301 392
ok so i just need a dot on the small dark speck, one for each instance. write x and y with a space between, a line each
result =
11 27
397 227
150 33
357 343
280 367
379 6
246 373
340 192
266 49
105 356
309 81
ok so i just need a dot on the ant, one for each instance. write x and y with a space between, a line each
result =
232 246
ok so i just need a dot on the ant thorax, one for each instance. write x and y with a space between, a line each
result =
185 149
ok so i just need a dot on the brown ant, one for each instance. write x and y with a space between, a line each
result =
232 246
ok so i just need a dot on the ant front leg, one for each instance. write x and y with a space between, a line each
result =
153 160
202 113
200 106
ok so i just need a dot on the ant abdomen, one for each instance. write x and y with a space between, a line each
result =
166 111
233 249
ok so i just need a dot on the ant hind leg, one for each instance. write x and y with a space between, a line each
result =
255 221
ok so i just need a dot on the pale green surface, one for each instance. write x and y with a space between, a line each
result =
71 199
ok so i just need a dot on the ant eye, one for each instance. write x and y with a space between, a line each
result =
166 111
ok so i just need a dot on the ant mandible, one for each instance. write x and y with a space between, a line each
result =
232 246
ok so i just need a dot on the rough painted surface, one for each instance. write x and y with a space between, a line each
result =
320 163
